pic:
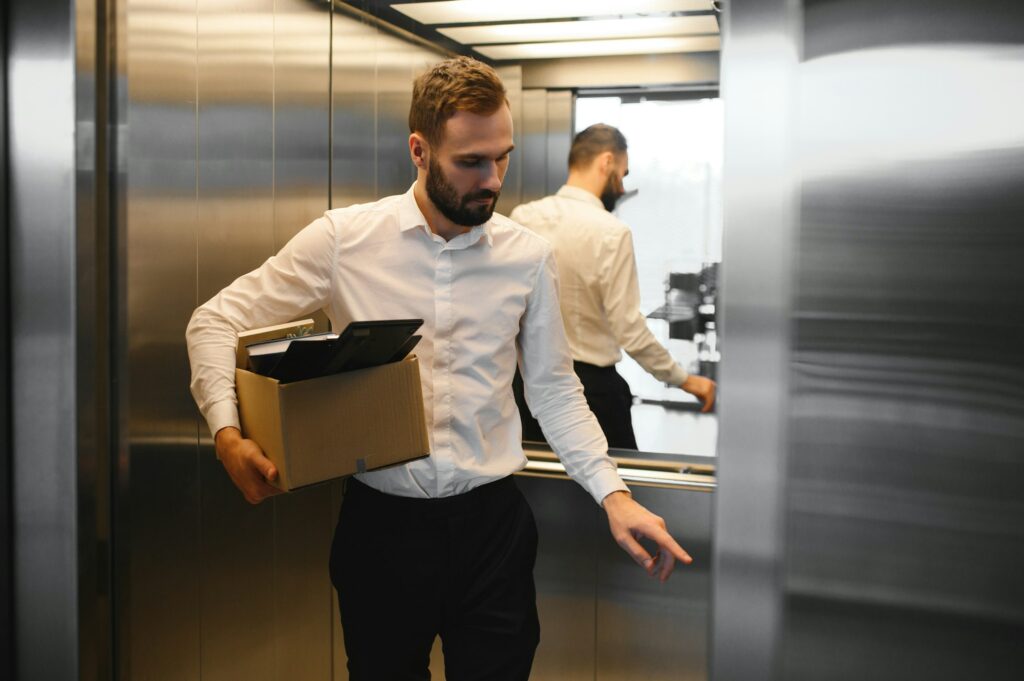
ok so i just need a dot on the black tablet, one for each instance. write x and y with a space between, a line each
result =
361 345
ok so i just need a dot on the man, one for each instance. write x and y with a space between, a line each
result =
599 292
443 545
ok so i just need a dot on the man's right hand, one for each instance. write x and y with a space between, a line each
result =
249 468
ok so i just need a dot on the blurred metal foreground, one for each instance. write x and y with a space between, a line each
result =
870 516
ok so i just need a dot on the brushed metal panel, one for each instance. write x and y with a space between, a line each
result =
904 509
235 93
303 522
159 630
302 592
302 46
533 153
560 118
395 171
6 455
759 61
570 530
512 187
41 118
353 113
339 670
650 630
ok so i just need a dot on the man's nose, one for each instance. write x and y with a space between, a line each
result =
491 179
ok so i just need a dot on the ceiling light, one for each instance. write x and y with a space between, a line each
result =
648 27
599 48
486 11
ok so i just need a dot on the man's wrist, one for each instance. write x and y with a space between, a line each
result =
226 435
616 497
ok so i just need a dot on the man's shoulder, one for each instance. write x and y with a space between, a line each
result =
389 204
507 230
525 213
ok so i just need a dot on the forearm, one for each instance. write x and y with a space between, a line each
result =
639 342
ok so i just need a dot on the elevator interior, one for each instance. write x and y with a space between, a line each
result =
864 515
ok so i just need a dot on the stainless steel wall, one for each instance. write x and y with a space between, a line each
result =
872 526
57 352
601 618
228 144
548 118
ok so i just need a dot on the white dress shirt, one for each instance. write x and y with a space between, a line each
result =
600 294
481 295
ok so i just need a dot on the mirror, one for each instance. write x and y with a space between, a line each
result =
673 207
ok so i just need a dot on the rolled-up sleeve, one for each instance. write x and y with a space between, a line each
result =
289 285
554 393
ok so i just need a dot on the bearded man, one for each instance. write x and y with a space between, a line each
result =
442 546
599 291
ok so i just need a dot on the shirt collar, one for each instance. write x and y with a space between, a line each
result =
579 194
411 217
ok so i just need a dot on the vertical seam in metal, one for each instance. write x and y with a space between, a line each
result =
198 420
275 620
330 108
331 624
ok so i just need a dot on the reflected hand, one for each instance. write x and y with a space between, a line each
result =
704 389
249 468
629 522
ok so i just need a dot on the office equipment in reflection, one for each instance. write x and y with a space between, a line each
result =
361 345
690 310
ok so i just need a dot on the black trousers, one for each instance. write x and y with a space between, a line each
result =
409 570
608 396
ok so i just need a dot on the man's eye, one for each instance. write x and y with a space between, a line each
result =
469 163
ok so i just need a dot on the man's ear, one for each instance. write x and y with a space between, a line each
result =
418 150
606 161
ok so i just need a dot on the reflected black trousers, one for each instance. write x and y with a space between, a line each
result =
409 570
608 396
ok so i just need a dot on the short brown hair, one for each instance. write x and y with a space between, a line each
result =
457 84
595 140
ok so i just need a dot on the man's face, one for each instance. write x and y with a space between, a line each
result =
465 171
614 188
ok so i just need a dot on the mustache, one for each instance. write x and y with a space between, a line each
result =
482 194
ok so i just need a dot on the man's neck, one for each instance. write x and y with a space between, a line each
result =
590 182
436 221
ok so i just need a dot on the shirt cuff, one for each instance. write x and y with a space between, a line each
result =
604 483
222 415
678 376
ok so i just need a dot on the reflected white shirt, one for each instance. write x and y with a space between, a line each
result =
600 293
483 295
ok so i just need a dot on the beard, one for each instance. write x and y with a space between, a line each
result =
610 195
457 208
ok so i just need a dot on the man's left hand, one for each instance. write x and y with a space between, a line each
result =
629 522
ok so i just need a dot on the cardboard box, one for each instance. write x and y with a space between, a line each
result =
336 425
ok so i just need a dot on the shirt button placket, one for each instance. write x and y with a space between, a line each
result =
443 339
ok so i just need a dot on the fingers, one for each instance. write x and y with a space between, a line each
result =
258 491
258 486
250 470
264 465
709 396
664 560
636 552
666 563
671 548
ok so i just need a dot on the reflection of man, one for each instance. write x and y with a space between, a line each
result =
444 545
599 292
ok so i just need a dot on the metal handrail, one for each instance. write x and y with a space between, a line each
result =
642 472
